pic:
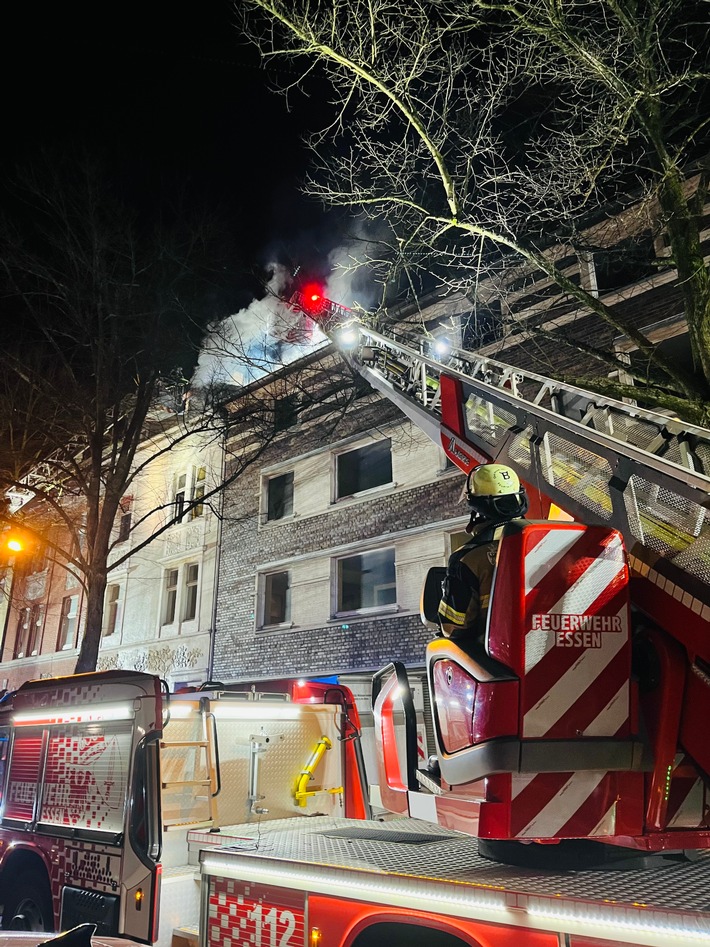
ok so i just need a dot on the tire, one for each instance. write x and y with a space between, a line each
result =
28 903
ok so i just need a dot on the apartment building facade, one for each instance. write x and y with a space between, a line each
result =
326 543
315 563
159 605
326 547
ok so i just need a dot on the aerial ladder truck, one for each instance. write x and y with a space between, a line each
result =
584 715
580 720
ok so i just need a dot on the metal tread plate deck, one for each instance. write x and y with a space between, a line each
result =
450 856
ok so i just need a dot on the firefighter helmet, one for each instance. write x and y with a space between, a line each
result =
493 491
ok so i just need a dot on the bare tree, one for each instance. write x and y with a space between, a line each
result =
484 135
107 310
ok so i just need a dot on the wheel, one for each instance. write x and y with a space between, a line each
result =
28 904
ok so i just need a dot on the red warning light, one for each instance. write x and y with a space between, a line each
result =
313 299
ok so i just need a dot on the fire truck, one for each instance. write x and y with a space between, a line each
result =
105 776
576 729
574 734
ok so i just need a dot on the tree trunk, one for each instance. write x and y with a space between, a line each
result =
91 641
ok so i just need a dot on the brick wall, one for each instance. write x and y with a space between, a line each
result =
328 645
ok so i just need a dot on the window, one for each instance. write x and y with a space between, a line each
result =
285 412
125 513
279 496
363 468
628 261
180 594
483 326
124 527
171 587
71 578
36 625
192 572
179 497
38 560
22 633
277 598
189 489
366 581
198 492
68 622
114 608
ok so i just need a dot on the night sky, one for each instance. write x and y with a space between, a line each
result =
167 91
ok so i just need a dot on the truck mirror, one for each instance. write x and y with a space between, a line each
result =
431 596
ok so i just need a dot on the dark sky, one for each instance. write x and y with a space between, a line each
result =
168 90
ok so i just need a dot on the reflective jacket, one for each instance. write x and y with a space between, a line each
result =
466 590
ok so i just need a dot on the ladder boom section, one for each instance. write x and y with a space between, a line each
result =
599 459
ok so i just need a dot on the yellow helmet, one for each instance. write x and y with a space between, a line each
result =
494 491
492 480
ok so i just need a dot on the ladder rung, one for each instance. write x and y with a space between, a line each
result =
188 782
170 743
204 824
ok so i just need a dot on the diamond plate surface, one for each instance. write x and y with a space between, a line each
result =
286 746
682 886
179 902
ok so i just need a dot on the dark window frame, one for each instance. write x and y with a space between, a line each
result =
113 609
279 507
171 579
285 412
270 596
68 624
22 633
363 477
191 587
344 603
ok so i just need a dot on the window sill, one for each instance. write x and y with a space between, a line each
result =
365 494
365 613
449 472
25 657
274 629
270 524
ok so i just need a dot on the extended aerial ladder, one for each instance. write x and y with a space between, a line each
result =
598 461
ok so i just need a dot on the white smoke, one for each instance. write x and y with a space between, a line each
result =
257 340
268 334
352 282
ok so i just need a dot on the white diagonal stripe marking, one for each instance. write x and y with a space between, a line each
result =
607 824
690 811
612 716
548 552
566 689
594 580
537 643
519 782
563 805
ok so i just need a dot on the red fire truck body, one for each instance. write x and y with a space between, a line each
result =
581 717
337 883
104 775
582 713
573 723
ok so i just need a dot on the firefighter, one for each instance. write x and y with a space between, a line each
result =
495 497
